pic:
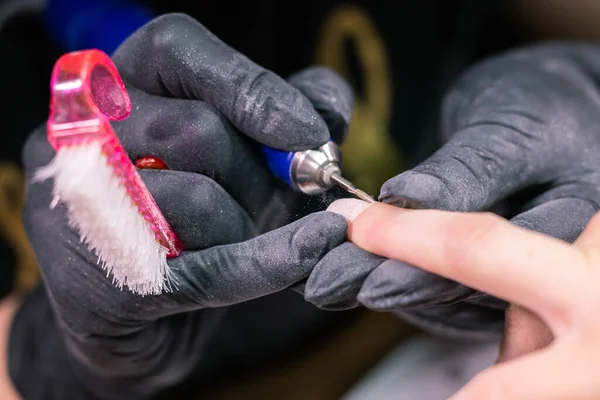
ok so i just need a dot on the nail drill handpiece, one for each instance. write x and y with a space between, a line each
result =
312 171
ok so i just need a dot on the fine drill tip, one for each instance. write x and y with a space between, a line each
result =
350 188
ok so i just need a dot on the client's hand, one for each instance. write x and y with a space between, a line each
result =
553 280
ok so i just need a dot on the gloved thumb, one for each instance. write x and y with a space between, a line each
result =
234 273
201 213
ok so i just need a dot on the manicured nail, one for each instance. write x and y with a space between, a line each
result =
349 208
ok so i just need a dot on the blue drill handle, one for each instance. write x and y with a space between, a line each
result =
280 163
309 165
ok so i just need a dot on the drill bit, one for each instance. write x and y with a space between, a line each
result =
350 188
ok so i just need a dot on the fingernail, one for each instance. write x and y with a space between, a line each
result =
348 208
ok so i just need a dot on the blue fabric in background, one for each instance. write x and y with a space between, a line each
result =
100 24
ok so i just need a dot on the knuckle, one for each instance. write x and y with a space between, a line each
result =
186 188
164 32
205 142
194 137
466 232
205 123
200 187
257 84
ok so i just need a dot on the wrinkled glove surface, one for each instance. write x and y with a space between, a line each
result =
192 96
523 139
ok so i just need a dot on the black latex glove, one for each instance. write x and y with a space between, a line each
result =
191 95
526 122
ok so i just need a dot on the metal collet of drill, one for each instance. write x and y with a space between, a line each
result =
314 171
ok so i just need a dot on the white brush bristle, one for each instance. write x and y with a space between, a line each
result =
108 221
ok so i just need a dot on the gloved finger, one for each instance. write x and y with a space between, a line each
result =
503 137
549 217
193 136
200 212
394 284
269 263
336 280
478 167
460 320
176 56
330 95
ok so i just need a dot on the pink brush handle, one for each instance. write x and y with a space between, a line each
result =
87 93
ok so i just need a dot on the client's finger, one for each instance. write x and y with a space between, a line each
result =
479 250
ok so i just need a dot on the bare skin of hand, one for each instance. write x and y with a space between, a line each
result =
524 333
8 307
545 278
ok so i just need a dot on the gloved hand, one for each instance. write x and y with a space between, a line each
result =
522 131
191 97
